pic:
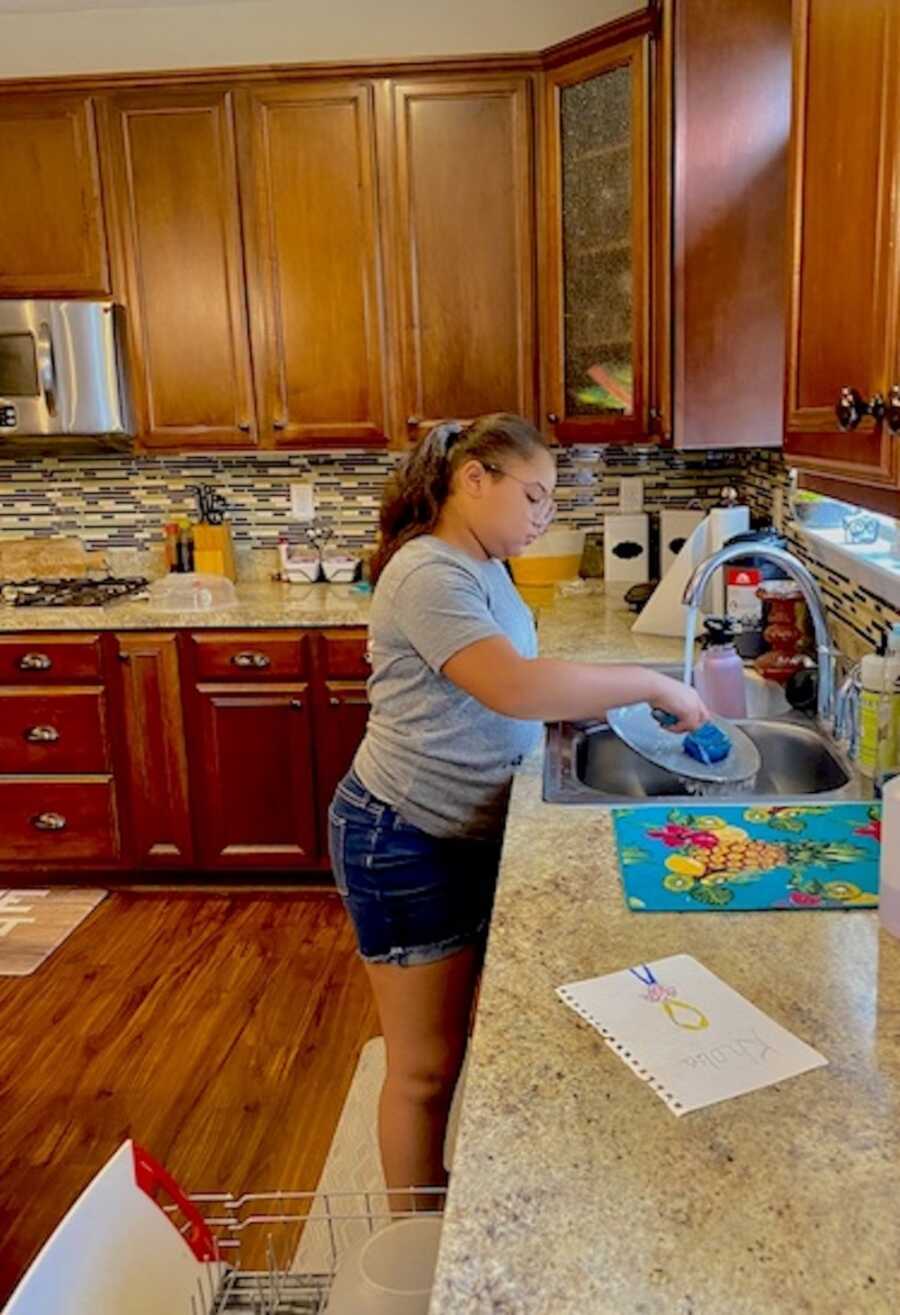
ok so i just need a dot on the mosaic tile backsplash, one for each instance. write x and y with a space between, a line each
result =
864 615
123 502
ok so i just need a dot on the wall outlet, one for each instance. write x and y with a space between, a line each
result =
303 501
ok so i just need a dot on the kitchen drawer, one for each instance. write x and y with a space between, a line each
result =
49 659
58 819
55 730
346 654
256 655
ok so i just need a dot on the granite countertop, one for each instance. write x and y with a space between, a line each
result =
260 604
574 1188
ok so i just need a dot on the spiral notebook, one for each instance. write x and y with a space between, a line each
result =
691 1036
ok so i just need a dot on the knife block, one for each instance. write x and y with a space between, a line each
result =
213 550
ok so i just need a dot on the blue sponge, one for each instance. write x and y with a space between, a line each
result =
707 744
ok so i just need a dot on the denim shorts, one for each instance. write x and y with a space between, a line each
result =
413 898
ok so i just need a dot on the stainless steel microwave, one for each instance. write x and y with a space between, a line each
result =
63 376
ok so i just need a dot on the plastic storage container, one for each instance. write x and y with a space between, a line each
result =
191 591
556 555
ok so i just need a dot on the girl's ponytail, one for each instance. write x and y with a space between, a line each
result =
415 493
418 489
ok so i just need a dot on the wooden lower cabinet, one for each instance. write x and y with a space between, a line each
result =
181 752
48 820
254 777
54 730
156 750
341 726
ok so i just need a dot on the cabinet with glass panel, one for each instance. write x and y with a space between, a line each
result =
596 245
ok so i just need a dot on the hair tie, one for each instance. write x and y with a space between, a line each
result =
442 437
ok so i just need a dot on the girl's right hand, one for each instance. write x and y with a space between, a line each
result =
683 702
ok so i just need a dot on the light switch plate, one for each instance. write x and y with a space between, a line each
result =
303 501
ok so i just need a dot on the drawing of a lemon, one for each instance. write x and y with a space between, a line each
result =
685 866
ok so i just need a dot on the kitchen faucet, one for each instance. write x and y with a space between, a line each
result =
703 573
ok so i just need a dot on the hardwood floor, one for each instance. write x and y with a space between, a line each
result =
219 1030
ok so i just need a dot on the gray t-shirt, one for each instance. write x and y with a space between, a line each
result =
440 758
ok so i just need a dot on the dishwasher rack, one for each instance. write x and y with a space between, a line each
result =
135 1242
277 1252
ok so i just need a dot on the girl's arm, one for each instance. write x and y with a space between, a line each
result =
544 689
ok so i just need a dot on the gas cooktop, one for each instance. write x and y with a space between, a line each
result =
79 592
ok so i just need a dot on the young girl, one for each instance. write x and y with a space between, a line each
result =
458 695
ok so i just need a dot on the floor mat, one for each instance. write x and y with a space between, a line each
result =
354 1166
33 923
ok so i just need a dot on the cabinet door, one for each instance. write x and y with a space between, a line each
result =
844 172
339 733
253 773
156 750
177 227
52 236
463 199
314 263
596 267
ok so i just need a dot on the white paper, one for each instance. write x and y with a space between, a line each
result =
686 1032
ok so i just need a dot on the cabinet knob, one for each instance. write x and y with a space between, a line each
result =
279 424
296 704
250 659
851 407
35 662
244 426
334 701
413 421
41 734
553 417
49 822
892 409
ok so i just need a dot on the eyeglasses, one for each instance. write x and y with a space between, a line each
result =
542 502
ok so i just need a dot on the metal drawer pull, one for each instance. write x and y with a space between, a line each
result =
258 660
35 662
296 704
334 702
42 734
49 822
892 409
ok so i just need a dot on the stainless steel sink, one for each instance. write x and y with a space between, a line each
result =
590 765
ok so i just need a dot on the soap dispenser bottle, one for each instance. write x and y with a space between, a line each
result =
719 678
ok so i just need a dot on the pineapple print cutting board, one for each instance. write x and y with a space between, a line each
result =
733 857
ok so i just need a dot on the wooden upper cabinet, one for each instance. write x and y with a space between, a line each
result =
52 235
844 287
726 151
462 194
172 166
595 256
314 263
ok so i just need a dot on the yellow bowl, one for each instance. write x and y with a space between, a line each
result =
544 570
